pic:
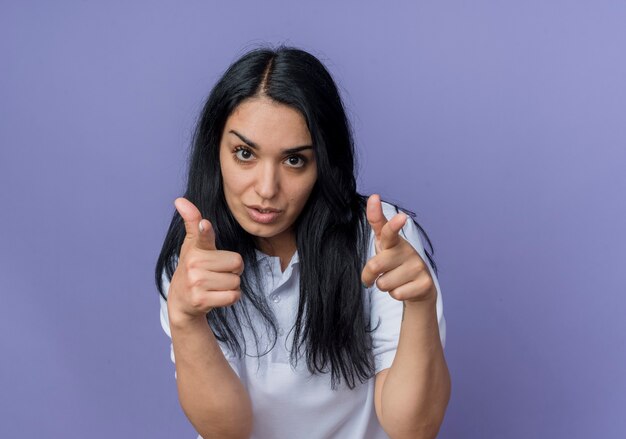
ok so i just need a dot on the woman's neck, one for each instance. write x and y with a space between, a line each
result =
283 247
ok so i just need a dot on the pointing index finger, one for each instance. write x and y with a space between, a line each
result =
203 238
390 235
206 240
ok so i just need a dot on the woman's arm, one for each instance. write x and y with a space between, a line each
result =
412 395
209 391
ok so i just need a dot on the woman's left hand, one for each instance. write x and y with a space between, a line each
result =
396 267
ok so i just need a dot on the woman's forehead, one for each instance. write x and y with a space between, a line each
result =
267 124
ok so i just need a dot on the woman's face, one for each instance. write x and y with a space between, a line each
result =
268 168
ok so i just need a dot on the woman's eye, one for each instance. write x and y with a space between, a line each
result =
296 161
243 154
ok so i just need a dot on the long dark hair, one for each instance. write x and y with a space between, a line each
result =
332 232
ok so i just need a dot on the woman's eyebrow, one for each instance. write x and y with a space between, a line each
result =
251 144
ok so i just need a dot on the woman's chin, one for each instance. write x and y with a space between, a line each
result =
260 230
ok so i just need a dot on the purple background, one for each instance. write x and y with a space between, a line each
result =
502 124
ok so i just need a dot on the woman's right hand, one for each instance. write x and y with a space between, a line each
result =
205 277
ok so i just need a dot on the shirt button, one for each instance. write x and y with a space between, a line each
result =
281 332
275 298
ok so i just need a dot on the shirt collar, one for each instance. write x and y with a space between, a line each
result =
260 256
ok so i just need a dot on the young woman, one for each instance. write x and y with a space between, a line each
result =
297 308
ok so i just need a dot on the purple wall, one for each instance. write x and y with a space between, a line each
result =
502 124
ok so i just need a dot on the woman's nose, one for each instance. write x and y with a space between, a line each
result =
267 181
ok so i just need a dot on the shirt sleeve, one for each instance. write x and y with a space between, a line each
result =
165 324
386 312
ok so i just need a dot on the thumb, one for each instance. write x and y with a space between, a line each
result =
201 237
375 215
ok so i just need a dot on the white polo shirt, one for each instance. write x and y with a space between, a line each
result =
290 403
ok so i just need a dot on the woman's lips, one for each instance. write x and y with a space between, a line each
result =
260 217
